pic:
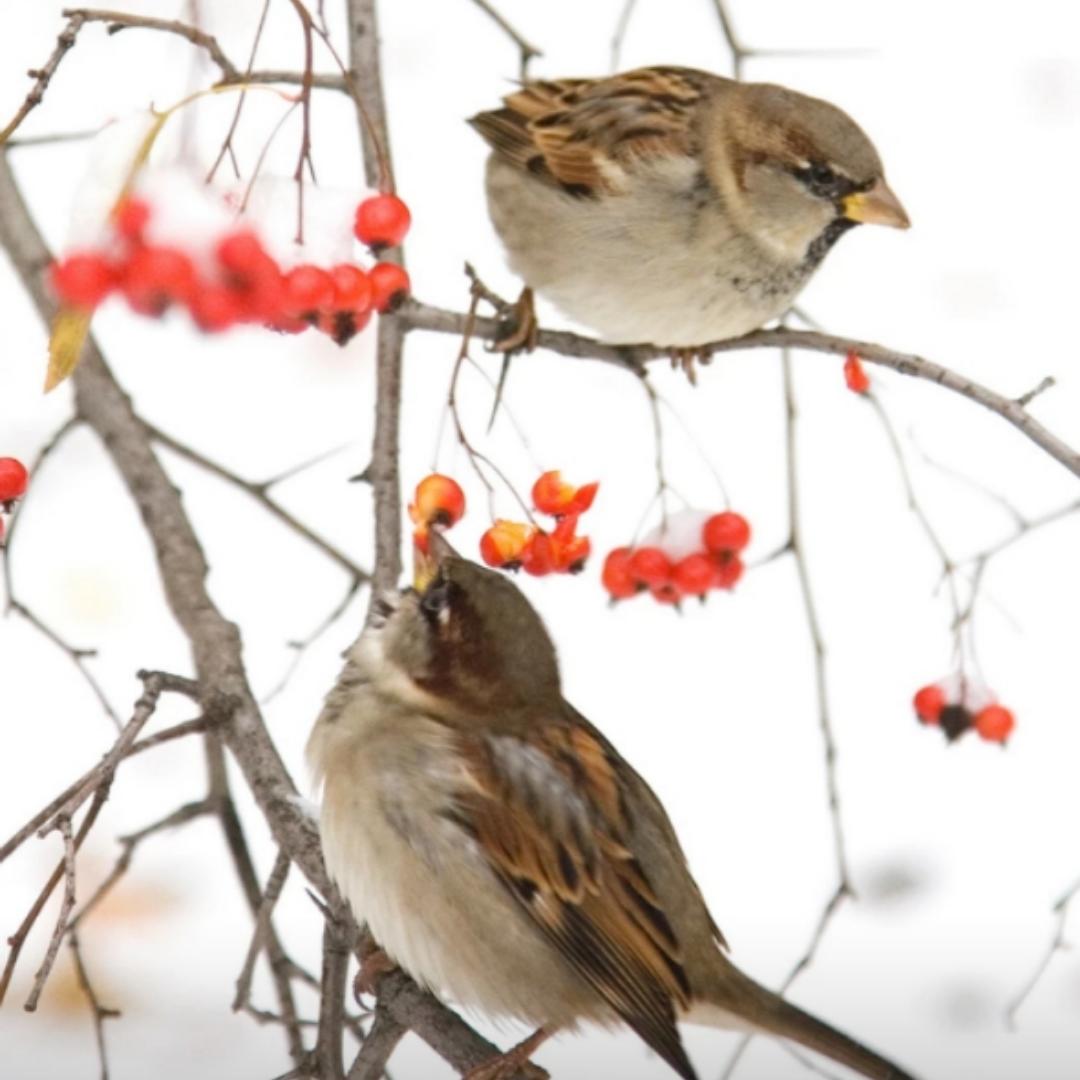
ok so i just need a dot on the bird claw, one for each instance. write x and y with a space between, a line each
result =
376 963
686 358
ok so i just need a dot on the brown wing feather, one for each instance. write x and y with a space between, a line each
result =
549 816
585 134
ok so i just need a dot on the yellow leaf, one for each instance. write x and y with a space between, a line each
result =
69 330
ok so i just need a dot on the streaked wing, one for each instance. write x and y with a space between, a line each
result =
585 135
549 814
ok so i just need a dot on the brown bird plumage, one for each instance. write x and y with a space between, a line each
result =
499 847
674 206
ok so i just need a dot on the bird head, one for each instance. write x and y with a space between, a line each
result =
795 171
463 639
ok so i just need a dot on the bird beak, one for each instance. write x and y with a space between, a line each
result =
878 206
430 548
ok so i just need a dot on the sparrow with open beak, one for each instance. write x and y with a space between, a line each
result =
671 206
500 849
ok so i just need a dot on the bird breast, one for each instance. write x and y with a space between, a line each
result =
393 847
661 261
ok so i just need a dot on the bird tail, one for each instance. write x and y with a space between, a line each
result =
741 1002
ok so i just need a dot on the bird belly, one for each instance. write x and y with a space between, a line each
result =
642 266
428 896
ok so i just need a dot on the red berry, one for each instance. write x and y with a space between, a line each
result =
342 326
727 570
928 702
382 221
352 288
651 567
726 532
309 290
539 555
389 286
215 308
572 554
858 382
995 723
155 277
82 279
242 254
439 500
504 544
694 575
130 218
617 576
288 324
13 479
666 593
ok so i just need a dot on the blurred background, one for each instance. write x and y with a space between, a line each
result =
957 853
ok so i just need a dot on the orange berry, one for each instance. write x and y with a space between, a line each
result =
503 545
552 495
439 500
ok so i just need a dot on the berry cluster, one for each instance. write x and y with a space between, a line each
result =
514 545
858 382
238 280
13 480
956 705
693 555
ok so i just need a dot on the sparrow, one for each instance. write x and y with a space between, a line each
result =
672 206
500 849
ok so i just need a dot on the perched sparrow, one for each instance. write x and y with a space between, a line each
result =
500 849
671 206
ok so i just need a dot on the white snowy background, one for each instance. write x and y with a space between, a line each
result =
957 852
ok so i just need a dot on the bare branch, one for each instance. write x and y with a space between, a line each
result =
633 357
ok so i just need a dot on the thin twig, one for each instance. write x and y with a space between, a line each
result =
274 884
621 26
68 863
526 51
260 493
1057 944
43 75
98 1013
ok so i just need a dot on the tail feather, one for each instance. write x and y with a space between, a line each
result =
762 1011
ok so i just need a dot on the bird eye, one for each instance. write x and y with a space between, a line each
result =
821 179
435 599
